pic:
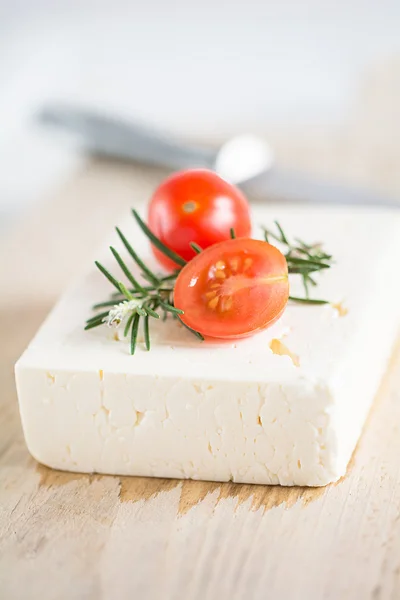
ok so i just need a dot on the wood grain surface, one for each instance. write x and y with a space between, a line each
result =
67 536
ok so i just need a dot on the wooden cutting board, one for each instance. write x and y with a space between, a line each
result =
67 536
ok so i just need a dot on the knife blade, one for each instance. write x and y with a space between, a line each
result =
282 184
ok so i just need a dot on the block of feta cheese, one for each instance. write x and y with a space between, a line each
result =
286 406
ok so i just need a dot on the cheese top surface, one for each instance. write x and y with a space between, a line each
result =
322 340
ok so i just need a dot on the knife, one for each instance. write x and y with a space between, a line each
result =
245 160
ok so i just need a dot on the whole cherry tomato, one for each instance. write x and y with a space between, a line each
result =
233 289
196 206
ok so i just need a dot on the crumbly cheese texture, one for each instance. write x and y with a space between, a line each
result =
286 406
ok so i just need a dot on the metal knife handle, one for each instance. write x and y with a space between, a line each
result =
103 135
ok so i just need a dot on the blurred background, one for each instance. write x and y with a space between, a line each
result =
319 80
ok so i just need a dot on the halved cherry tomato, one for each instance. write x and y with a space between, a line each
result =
196 206
233 289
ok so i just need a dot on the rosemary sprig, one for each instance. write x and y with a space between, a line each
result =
129 306
302 259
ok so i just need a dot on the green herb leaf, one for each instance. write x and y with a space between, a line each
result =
126 271
305 285
171 277
109 303
293 260
151 312
196 333
311 280
146 332
158 243
125 292
283 236
134 332
308 300
128 324
105 272
196 247
270 234
93 324
170 308
102 315
137 259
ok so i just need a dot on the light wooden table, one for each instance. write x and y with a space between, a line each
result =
66 536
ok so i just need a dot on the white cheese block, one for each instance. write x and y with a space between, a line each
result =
222 410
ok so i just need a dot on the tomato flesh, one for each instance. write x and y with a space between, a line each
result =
196 206
233 289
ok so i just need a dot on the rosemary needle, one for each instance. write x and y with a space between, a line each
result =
283 236
157 242
97 317
196 247
169 308
152 312
110 278
196 333
126 271
305 285
128 324
93 324
171 277
146 332
134 332
294 260
106 303
307 300
311 280
125 291
146 271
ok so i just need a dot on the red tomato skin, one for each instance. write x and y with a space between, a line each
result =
196 206
249 298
